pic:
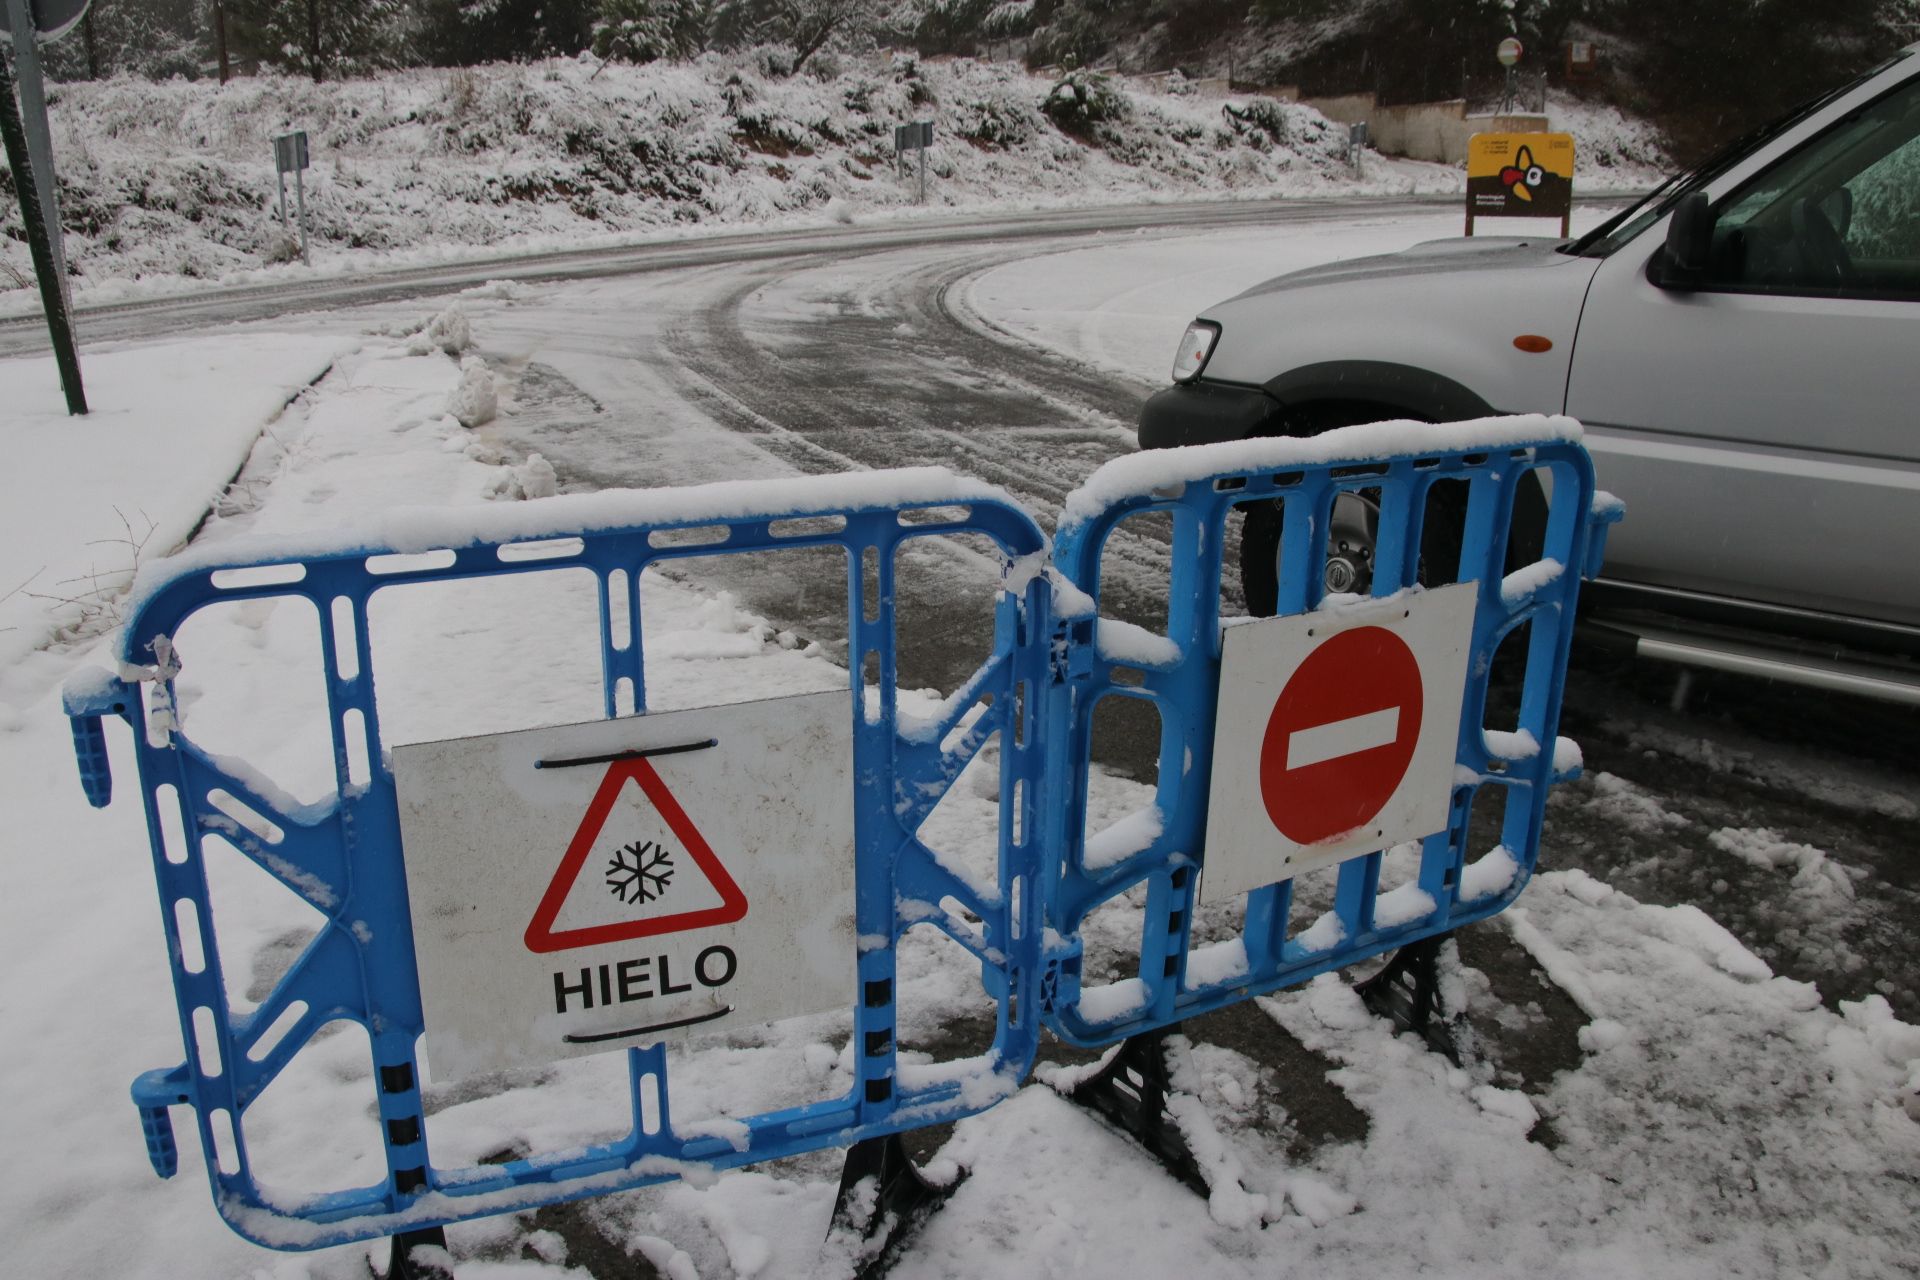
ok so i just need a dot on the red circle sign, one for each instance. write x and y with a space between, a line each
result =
1341 735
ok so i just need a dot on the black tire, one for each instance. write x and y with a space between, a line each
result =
1260 551
1443 528
1260 558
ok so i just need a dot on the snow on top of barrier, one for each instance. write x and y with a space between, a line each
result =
1139 475
411 530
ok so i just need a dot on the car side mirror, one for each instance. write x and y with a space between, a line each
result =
1682 261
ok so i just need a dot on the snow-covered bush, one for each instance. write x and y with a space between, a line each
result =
482 113
1262 114
1000 115
1083 101
906 71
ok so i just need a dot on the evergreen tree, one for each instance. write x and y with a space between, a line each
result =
805 26
319 38
646 30
1711 69
156 39
460 33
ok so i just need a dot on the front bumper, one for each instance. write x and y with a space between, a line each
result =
1202 412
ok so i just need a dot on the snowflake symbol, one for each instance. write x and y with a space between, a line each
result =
639 872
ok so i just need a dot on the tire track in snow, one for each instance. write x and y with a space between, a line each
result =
864 363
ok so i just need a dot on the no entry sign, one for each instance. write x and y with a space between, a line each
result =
630 881
1335 736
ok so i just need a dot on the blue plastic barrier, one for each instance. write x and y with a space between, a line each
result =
1158 977
1431 516
346 858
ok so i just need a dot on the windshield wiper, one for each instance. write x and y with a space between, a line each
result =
1699 175
1619 219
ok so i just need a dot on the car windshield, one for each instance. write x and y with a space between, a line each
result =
1634 219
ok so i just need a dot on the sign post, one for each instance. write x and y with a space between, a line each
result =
29 147
290 156
1508 53
917 136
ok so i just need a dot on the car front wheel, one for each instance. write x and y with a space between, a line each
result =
1352 535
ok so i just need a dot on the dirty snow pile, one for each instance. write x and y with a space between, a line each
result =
175 181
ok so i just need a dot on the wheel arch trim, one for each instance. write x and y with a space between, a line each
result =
1417 392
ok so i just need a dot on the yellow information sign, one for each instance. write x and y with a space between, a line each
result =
1520 175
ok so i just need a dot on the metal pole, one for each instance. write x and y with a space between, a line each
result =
300 202
40 243
33 112
923 171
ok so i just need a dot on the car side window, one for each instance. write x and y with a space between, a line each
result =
1840 217
1886 209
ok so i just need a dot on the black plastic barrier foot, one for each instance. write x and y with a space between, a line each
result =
1131 1091
1407 994
883 1221
403 1264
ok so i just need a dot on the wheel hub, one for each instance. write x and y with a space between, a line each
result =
1345 574
1350 543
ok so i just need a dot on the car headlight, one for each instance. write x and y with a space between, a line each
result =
1196 344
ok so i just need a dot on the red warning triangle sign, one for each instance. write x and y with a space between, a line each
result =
541 935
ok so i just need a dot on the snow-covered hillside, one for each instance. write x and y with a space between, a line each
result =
167 183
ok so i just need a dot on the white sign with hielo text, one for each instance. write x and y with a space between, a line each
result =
631 881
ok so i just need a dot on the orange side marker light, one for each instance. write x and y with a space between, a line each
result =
1533 343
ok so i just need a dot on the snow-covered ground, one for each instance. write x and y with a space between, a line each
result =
171 186
1122 307
170 425
1718 1121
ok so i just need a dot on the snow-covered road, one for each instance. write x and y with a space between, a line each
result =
174 305
1028 373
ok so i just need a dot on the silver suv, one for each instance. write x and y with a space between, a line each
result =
1743 346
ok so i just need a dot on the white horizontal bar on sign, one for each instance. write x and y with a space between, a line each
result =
1338 738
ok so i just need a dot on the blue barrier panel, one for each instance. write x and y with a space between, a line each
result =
1357 728
347 858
